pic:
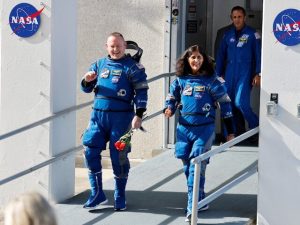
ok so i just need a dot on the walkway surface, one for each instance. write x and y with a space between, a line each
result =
156 194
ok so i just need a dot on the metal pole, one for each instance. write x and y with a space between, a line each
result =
194 217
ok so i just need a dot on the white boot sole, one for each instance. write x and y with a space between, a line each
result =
97 206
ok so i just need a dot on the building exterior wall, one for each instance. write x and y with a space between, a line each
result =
22 104
38 79
279 155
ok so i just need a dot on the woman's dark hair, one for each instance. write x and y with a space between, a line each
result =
183 66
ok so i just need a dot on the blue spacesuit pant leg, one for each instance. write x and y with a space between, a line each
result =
120 163
189 169
92 159
242 102
120 123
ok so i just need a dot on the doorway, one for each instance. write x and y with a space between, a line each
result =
197 22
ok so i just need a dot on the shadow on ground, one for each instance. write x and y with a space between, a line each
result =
170 204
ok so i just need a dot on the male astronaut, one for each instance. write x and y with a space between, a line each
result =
239 58
120 87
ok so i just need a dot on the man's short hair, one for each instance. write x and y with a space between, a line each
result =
238 8
116 34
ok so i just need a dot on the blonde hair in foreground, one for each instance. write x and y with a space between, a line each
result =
29 209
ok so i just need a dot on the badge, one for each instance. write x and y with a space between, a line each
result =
221 79
25 20
286 27
121 92
188 90
170 97
105 73
199 88
257 35
115 79
116 72
198 95
206 107
243 40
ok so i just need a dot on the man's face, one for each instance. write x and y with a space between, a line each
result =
115 47
238 18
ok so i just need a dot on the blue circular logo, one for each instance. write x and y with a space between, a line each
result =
286 27
24 19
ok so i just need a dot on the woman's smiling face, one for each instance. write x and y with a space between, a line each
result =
195 61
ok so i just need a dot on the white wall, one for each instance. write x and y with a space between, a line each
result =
279 155
221 15
38 78
63 95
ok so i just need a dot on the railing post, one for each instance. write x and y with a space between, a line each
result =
194 217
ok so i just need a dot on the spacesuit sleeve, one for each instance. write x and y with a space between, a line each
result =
219 93
257 53
138 79
88 87
221 57
173 98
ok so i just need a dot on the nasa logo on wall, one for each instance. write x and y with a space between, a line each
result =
286 27
25 19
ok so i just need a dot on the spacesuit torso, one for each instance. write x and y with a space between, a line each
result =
239 57
119 84
196 97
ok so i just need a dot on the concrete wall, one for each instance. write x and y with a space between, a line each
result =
279 155
221 15
38 78
138 20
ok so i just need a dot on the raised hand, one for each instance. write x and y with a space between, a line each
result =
90 76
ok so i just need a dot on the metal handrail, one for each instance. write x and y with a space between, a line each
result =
68 110
45 120
247 173
41 165
72 150
206 155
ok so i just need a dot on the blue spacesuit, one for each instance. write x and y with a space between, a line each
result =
196 98
238 60
120 90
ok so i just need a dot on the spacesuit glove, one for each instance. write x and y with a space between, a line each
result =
140 112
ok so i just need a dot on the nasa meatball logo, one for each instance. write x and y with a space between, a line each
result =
25 19
286 27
